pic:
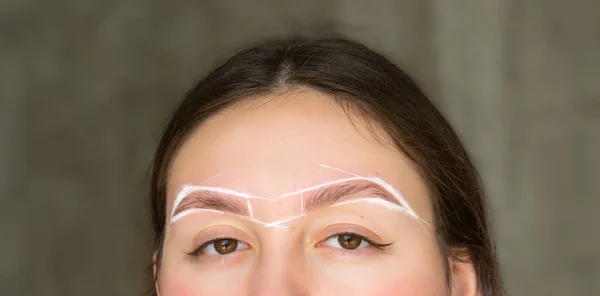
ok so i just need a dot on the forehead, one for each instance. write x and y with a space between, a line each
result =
275 144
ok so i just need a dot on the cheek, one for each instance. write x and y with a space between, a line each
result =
408 288
416 284
169 287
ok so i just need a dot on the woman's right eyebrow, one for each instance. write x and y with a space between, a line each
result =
210 200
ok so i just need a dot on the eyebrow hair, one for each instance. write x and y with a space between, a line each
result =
210 200
341 192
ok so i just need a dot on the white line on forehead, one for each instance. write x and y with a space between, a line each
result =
339 170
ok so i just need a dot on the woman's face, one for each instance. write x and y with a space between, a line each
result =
291 198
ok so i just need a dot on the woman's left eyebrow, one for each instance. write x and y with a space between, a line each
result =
341 192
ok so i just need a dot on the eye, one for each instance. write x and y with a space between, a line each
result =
222 246
348 241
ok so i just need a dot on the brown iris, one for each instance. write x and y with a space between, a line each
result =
349 241
225 246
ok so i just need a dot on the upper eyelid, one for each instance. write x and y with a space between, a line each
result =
369 240
221 232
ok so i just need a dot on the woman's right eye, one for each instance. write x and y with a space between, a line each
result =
222 246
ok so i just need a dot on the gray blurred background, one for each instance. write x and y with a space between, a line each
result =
85 87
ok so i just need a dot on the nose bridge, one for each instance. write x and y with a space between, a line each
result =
280 271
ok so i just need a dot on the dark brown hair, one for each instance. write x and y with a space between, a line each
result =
366 84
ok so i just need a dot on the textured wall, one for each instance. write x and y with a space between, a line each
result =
86 86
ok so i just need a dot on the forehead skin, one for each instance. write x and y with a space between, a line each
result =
279 141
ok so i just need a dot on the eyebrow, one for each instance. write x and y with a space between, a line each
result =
312 199
210 200
341 192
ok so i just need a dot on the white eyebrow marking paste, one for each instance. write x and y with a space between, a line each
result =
249 208
403 207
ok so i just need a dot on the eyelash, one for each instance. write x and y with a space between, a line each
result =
363 238
197 252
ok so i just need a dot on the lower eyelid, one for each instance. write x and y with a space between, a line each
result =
221 259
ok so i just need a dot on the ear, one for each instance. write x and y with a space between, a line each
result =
154 257
464 278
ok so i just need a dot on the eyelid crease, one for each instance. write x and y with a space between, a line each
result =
338 228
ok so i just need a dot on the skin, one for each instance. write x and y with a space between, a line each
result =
271 145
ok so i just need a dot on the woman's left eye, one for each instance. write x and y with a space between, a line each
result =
348 241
